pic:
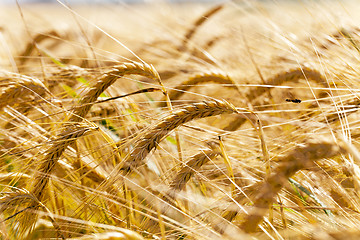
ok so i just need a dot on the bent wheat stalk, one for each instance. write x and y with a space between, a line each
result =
263 193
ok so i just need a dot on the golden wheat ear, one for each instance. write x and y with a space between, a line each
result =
286 76
11 204
21 89
189 169
63 140
107 80
197 24
215 77
31 46
151 138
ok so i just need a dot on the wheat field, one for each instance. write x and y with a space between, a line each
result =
233 120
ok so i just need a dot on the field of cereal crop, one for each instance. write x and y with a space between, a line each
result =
233 120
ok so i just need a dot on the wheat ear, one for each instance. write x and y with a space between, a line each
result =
67 75
151 138
58 146
202 52
190 167
286 76
32 45
12 200
201 78
107 80
56 150
263 193
197 24
198 160
23 89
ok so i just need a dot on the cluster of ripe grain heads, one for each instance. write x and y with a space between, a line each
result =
185 148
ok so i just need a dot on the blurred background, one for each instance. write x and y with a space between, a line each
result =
96 1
